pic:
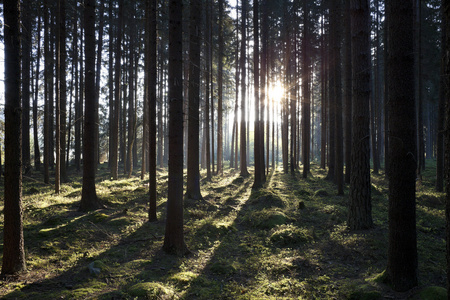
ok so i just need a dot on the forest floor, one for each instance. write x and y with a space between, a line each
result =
287 240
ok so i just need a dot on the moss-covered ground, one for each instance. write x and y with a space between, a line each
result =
287 240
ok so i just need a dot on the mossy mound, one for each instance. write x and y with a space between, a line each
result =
183 277
223 268
302 193
266 218
97 217
151 290
266 198
290 235
321 193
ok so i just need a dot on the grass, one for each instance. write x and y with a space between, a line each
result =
288 240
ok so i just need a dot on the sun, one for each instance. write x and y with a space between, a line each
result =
276 91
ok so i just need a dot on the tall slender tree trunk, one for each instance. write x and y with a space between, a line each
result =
114 138
63 92
37 151
79 87
243 137
360 206
58 100
26 68
47 75
13 242
193 172
207 88
306 93
151 95
446 93
257 135
323 98
89 199
220 92
335 12
402 250
441 118
348 90
98 75
174 235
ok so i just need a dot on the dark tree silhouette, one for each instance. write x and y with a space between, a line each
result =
360 209
243 131
89 199
306 93
26 68
193 172
151 94
13 243
446 93
174 235
402 250
114 135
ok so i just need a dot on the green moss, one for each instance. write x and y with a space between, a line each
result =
289 235
97 217
183 277
321 193
223 268
266 198
266 218
433 293
151 290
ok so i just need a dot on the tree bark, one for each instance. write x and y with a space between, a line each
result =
220 92
360 205
193 149
306 93
26 68
174 235
114 138
89 199
13 242
243 137
151 94
402 251
37 151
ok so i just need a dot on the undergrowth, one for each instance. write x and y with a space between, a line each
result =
288 240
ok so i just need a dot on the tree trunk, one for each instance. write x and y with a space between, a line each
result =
78 95
257 136
402 251
58 100
174 235
335 12
220 93
63 92
306 93
37 151
47 86
97 77
151 95
348 91
114 138
441 119
26 68
89 199
13 243
360 205
193 149
446 126
207 88
243 137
